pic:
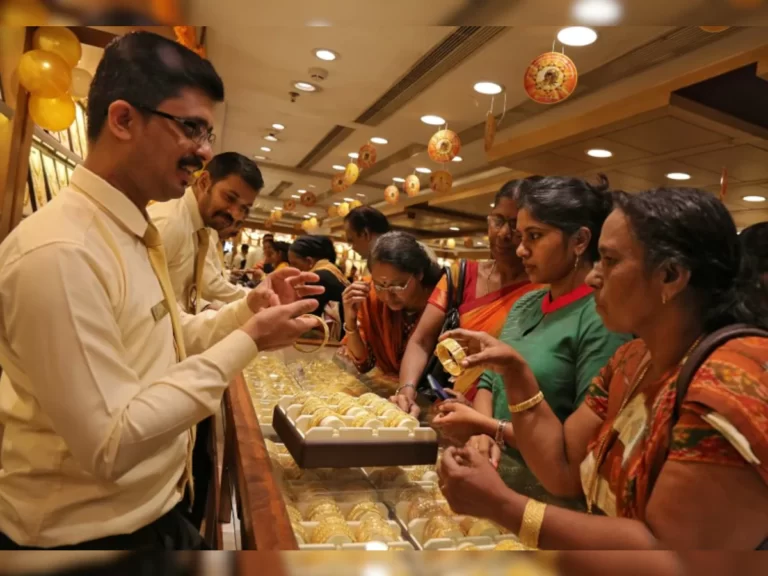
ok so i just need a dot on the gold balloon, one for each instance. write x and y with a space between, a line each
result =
44 73
81 83
23 13
54 114
351 174
277 214
333 211
355 204
451 243
60 40
343 209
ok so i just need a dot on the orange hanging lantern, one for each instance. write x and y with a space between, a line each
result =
338 184
444 146
308 199
269 223
289 205
391 194
550 78
351 174
441 181
412 185
366 157
469 243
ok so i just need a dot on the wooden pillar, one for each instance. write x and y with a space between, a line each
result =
16 133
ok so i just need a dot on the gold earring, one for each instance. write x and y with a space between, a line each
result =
576 264
663 299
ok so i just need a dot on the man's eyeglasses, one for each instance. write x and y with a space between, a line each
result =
497 222
396 290
196 131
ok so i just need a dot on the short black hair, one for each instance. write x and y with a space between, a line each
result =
368 218
317 247
245 247
695 230
282 248
146 69
754 254
226 164
569 204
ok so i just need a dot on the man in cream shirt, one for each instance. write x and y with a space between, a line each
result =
97 410
222 195
214 268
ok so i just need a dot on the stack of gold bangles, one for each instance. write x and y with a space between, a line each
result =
450 353
441 527
375 528
326 335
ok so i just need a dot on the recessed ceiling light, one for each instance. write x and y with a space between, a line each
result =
754 198
337 203
493 205
457 159
432 120
295 196
278 126
599 153
353 155
270 137
312 186
678 176
454 228
338 167
259 157
398 179
302 191
349 199
597 12
577 36
360 195
424 170
378 140
266 149
327 55
305 86
312 213
489 88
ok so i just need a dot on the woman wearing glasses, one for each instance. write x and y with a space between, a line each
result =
379 322
557 330
490 290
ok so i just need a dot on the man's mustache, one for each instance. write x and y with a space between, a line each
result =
193 162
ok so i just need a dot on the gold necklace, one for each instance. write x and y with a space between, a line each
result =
641 374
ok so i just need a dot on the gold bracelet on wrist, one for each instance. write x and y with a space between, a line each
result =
533 518
527 404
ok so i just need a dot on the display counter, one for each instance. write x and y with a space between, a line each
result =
284 507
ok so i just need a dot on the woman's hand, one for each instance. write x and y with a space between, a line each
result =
487 448
460 422
405 399
456 397
354 295
485 351
470 484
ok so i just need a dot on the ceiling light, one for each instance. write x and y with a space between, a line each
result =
270 137
312 213
305 86
278 126
327 55
432 120
599 153
754 198
457 159
312 186
361 195
493 205
597 12
398 179
353 155
337 203
678 176
349 199
266 149
259 157
577 36
338 167
302 191
295 196
454 228
424 170
490 88
378 140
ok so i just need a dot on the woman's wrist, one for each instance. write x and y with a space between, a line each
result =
520 384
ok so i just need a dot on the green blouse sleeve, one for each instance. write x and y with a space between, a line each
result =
597 346
486 381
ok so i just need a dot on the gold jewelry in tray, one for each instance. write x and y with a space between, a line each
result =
450 353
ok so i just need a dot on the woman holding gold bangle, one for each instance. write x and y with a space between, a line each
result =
693 478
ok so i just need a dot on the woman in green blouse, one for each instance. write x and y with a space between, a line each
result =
556 330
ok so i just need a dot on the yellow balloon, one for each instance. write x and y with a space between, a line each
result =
23 13
44 73
81 83
60 40
54 114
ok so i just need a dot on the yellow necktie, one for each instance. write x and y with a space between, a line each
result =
220 252
157 258
196 292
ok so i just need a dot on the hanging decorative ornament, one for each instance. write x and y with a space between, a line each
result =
490 131
337 183
308 199
366 157
714 29
412 185
305 225
81 83
391 194
289 205
355 204
44 73
444 146
343 209
450 243
723 184
54 114
61 41
351 174
277 215
333 211
269 223
298 227
550 78
441 181
469 243
313 223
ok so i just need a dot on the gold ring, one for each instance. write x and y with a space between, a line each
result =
450 354
326 335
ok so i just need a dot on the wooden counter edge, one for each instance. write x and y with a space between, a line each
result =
265 521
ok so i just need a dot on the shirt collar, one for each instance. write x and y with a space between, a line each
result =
111 200
190 201
548 305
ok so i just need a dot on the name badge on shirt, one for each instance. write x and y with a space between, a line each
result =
160 310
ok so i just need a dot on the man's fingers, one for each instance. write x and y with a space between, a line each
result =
296 309
301 277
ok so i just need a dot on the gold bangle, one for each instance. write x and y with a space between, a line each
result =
326 335
450 354
533 517
528 404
